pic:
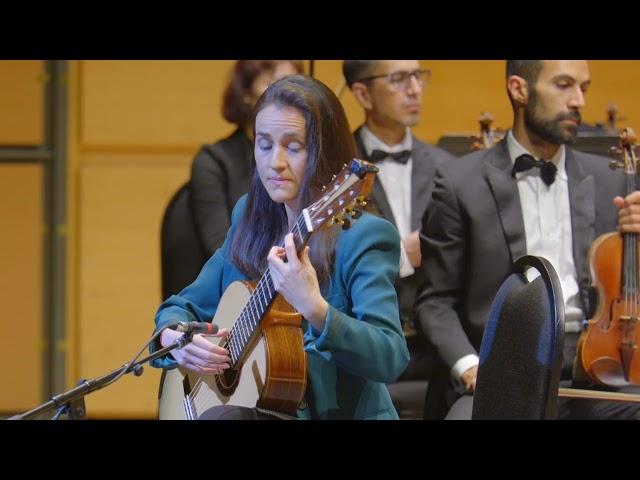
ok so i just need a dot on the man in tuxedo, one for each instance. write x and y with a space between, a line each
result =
529 194
390 93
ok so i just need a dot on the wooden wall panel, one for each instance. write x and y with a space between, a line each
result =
21 369
150 103
21 102
121 207
616 81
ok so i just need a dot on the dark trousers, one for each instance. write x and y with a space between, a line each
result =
570 408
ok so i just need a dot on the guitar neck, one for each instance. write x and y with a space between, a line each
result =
246 325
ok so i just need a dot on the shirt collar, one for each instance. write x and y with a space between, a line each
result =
516 149
371 142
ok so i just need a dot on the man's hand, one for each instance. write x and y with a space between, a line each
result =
468 379
629 214
412 246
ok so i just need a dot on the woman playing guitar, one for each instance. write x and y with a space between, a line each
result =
330 355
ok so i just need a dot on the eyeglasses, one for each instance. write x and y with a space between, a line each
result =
402 79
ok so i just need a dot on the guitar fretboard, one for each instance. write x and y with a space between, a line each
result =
245 326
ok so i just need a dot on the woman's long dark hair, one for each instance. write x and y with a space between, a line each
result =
329 144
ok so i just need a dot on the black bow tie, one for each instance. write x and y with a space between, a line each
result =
525 162
400 157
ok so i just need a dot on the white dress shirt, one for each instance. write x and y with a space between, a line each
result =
396 182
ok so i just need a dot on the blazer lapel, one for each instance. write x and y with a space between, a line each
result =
497 172
380 201
583 216
422 171
377 194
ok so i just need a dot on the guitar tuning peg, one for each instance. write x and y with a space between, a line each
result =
356 213
613 164
346 223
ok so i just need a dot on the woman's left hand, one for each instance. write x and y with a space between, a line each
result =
297 281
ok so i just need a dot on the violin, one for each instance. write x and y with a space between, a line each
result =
608 349
488 136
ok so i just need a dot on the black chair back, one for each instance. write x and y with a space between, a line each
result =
521 350
182 253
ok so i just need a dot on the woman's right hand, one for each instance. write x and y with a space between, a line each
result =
200 355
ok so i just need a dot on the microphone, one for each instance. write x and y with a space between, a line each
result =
194 327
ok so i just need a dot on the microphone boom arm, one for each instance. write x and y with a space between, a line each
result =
87 386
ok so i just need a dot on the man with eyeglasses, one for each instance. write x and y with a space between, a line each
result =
390 92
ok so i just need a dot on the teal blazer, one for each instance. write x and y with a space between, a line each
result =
362 346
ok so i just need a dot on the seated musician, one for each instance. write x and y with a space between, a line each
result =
528 195
342 283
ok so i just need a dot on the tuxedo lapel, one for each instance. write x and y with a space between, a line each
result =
497 172
422 171
583 216
377 194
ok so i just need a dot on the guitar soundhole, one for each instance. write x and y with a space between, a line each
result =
227 381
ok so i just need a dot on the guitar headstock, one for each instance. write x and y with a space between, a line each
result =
345 198
627 152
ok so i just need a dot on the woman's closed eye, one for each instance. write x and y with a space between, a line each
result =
264 144
295 147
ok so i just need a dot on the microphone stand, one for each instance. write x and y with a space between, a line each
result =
72 401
